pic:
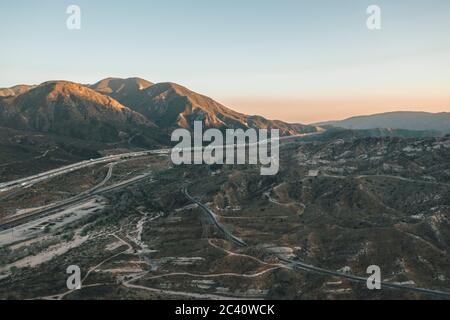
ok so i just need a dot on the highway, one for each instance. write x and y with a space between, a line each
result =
100 189
29 181
112 160
61 205
310 268
43 211
213 217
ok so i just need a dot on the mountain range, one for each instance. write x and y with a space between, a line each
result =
141 113
415 121
117 109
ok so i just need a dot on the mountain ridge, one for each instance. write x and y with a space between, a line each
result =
15 90
171 105
114 109
406 120
73 110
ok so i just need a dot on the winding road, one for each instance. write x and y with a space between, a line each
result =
100 189
213 218
310 268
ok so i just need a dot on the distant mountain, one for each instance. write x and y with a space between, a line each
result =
14 91
73 110
397 120
171 106
334 133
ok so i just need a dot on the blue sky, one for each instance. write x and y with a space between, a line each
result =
277 58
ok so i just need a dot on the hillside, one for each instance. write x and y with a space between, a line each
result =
73 110
171 106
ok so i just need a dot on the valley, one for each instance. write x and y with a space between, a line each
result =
202 232
87 180
222 159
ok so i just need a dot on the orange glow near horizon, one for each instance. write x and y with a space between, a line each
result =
311 111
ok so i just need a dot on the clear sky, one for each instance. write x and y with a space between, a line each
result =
292 60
